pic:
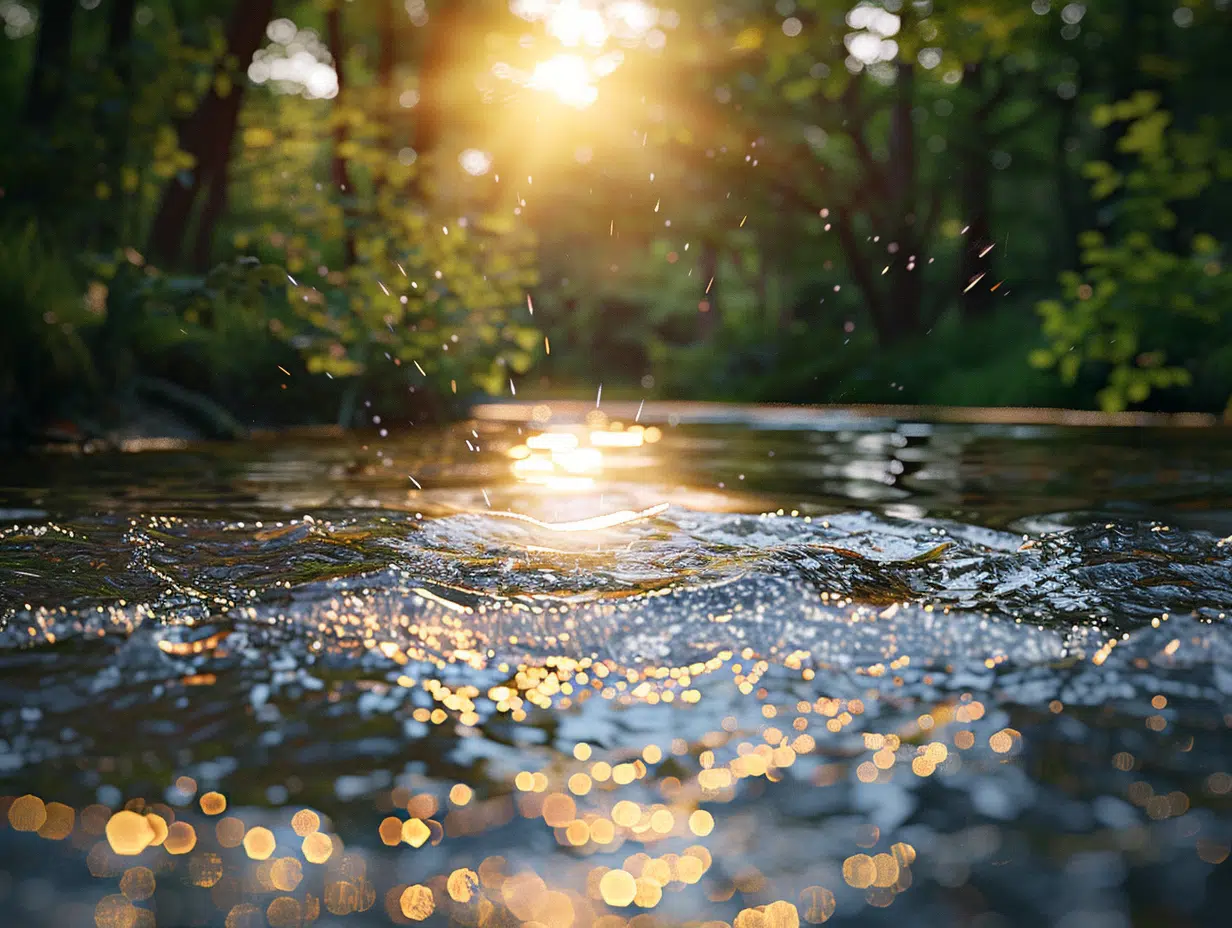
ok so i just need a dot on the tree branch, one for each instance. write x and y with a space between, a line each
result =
855 117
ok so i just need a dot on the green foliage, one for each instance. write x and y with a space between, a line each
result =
438 283
407 276
44 326
748 210
1147 286
220 317
959 363
102 164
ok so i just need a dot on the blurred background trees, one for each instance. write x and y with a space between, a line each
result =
274 212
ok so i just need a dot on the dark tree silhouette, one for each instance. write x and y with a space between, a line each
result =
52 58
207 135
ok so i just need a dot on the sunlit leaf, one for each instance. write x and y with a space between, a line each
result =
748 39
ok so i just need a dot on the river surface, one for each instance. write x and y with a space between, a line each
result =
560 668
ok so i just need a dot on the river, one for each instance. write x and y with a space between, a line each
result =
622 667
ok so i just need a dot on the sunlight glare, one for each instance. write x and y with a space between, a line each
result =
475 162
631 18
590 22
576 23
568 77
610 520
295 61
873 42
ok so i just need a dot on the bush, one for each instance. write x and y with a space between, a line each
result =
46 366
1149 292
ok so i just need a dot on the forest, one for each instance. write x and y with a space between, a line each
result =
219 216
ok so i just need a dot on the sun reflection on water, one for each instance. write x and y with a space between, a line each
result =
569 459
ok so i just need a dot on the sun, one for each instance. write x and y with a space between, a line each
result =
587 26
569 77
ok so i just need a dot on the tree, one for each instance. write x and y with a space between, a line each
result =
115 130
340 175
51 70
207 137
1137 291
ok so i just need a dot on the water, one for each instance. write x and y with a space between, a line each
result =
746 667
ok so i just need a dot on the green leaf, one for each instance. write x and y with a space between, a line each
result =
802 89
1111 400
1102 115
1068 368
1041 358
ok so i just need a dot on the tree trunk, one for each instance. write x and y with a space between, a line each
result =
211 212
872 187
208 134
891 198
167 231
902 166
52 58
120 38
975 184
857 263
339 170
115 130
906 290
977 259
